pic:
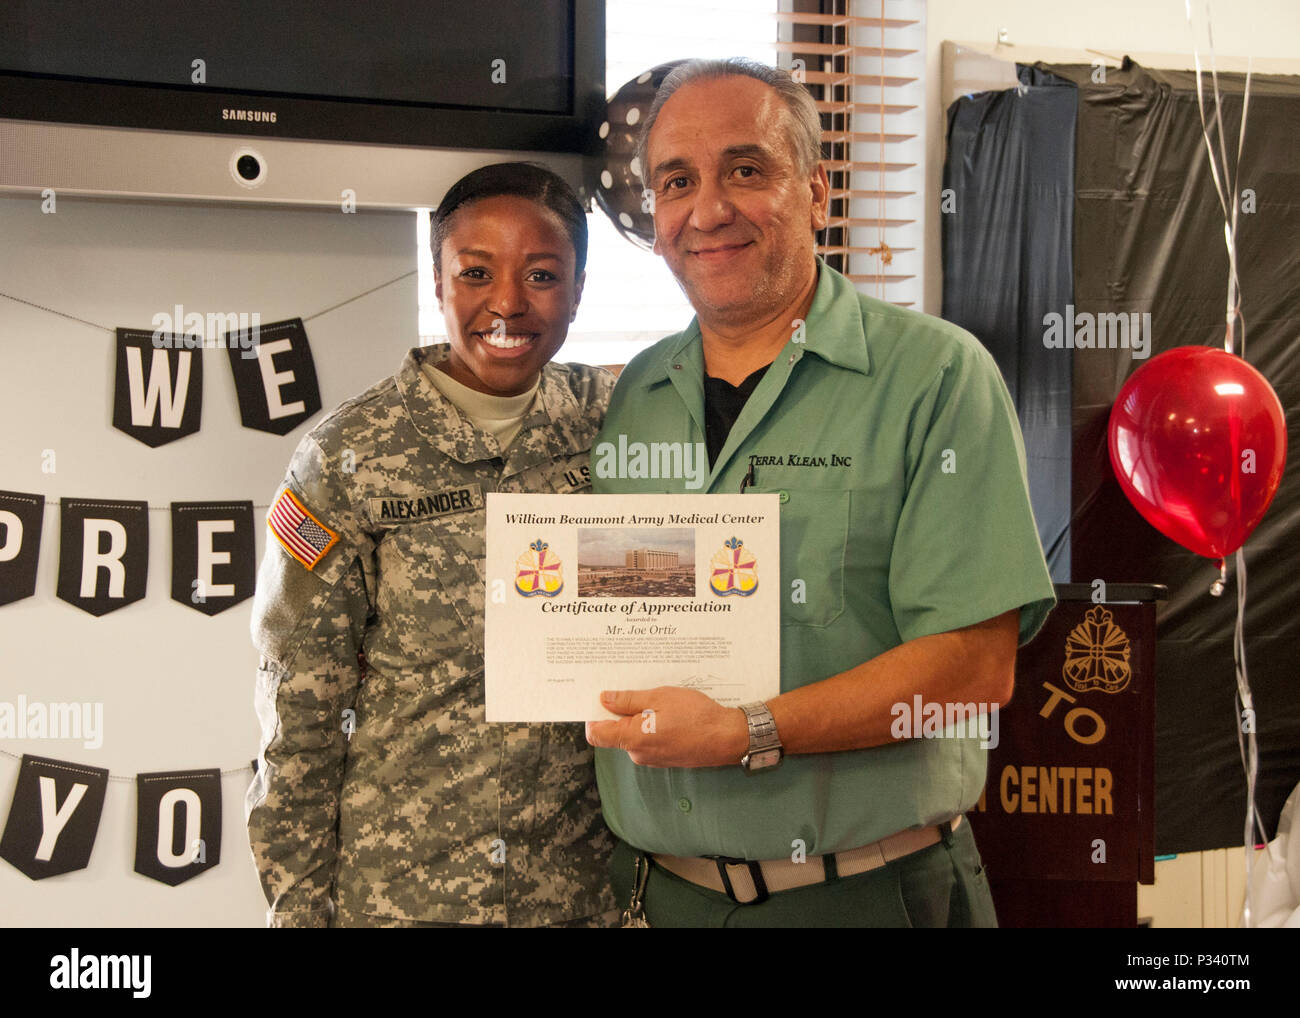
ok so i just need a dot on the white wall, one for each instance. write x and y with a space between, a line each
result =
1257 28
176 686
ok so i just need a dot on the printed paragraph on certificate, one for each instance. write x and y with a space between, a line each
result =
592 592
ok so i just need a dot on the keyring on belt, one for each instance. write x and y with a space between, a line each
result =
634 915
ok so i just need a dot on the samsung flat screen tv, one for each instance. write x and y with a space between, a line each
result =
221 100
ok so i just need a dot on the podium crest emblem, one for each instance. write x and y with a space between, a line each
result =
1097 654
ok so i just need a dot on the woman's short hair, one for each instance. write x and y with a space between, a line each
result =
524 180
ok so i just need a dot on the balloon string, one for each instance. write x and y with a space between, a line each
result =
1245 721
1227 190
1246 743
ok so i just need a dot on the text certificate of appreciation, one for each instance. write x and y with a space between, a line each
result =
593 592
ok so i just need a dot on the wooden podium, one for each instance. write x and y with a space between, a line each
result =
1066 825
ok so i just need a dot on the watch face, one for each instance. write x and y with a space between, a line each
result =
764 758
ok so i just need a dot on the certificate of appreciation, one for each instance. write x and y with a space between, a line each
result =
594 592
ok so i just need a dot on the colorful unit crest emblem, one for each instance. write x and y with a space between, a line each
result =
733 570
1097 654
538 571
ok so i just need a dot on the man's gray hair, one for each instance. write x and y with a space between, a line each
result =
804 123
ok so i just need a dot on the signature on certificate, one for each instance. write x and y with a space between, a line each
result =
705 682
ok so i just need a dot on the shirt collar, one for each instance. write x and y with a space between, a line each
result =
554 427
834 331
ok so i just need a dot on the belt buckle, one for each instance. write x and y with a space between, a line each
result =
755 874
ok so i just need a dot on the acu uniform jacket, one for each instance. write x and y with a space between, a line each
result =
380 788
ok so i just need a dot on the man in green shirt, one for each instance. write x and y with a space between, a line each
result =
910 563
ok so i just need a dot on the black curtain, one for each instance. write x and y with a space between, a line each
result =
1006 222
1147 236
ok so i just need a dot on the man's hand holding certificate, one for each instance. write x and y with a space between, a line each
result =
672 726
634 592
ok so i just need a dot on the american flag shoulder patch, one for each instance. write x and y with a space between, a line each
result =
303 536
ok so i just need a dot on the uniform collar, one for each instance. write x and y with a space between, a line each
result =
833 330
555 427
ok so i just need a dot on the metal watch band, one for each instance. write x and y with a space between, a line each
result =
764 742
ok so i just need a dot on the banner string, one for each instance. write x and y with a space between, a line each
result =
151 508
1227 192
306 318
247 768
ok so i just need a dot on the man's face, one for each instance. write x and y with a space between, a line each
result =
507 291
734 217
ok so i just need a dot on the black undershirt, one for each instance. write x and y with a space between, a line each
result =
723 403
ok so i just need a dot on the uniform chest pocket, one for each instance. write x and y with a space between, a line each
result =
814 542
431 577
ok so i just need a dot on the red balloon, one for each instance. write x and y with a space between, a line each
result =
1198 442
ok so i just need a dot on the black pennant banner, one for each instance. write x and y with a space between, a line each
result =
158 391
103 553
178 824
275 377
21 518
214 561
53 817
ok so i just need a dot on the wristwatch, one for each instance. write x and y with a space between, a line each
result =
765 752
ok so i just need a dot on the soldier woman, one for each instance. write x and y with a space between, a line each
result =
382 796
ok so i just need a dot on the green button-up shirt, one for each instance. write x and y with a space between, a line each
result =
905 512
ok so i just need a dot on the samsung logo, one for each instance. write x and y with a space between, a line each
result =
255 115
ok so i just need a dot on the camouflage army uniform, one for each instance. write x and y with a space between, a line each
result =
426 812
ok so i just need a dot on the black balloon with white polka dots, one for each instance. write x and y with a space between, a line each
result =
619 190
